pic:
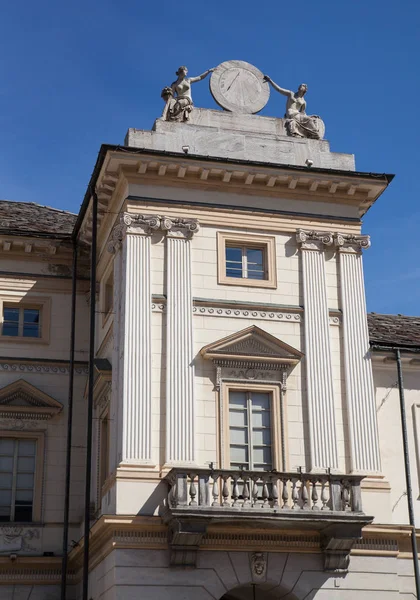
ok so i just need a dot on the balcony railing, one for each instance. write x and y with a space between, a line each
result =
271 491
325 502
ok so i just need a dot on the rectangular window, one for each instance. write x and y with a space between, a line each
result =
17 478
246 260
250 430
19 321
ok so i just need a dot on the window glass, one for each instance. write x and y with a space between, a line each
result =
255 263
250 430
17 470
10 321
234 267
30 322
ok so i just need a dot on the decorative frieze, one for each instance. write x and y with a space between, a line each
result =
34 367
321 408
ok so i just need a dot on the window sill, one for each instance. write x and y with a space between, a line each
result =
243 282
20 339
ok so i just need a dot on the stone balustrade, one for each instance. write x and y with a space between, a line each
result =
275 492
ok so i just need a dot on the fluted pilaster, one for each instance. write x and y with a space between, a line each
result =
323 442
131 241
180 409
360 396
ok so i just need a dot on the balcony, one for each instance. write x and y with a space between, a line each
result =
330 504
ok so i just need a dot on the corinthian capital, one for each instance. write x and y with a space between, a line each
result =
177 227
132 223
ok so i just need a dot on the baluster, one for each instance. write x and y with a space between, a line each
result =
295 494
305 495
345 496
314 495
225 491
193 490
274 491
235 490
285 495
265 494
324 494
255 491
215 490
245 492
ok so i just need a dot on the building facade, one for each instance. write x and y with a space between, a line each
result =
245 438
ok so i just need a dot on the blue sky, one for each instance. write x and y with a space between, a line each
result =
78 74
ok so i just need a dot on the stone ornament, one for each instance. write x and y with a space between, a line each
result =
298 123
178 98
259 564
239 87
312 240
148 224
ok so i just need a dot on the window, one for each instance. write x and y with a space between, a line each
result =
25 319
246 260
250 430
21 321
17 478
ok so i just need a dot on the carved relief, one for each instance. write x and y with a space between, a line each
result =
147 224
314 240
259 564
18 539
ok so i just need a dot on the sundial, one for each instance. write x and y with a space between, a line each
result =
239 87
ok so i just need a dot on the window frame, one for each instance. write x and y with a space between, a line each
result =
27 302
243 240
277 420
39 437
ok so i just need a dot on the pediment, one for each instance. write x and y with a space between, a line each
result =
254 344
21 399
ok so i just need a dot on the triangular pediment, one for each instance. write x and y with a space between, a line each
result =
252 343
22 399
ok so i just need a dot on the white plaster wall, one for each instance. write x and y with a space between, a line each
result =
390 435
130 574
58 347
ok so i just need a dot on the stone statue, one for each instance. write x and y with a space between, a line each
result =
298 123
177 97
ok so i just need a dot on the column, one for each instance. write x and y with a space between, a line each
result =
180 409
132 350
360 395
320 392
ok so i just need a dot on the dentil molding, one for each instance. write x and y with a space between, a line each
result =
147 224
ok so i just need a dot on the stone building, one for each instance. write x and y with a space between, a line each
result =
246 439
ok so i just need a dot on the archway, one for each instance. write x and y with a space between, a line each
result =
252 591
